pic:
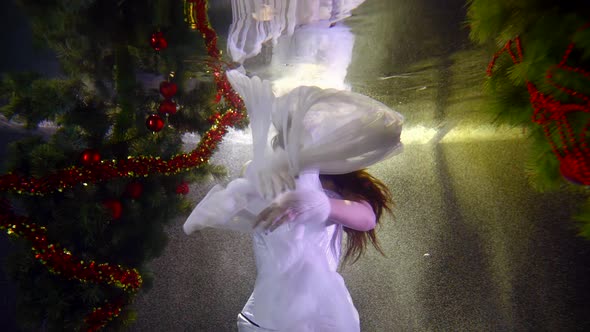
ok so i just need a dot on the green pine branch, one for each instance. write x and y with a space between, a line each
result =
100 103
545 29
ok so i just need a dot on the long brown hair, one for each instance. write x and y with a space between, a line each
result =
355 186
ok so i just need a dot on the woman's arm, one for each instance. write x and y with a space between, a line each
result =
357 215
354 215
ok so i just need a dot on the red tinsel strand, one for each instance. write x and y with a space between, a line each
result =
101 316
62 262
132 167
205 28
223 86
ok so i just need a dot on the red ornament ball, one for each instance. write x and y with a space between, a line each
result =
182 189
167 107
158 42
90 157
134 189
168 89
154 122
115 207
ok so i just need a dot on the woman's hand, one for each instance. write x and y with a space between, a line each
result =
273 177
298 205
274 216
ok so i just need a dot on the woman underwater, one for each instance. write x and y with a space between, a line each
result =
322 131
296 216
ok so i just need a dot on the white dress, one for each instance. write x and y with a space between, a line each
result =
323 301
297 287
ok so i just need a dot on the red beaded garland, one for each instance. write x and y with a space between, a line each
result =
571 170
571 149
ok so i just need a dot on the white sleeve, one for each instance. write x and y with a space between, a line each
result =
258 99
234 208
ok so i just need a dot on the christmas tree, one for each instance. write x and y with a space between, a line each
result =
87 206
539 79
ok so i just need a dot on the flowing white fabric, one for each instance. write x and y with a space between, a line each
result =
314 55
329 130
256 22
335 131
